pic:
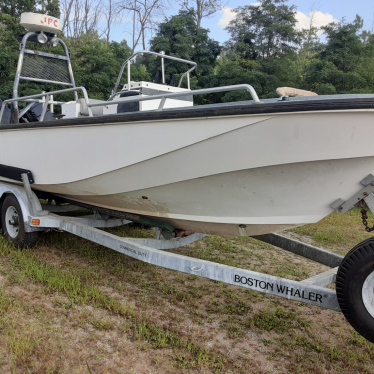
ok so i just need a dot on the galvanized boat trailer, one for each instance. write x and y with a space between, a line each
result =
23 216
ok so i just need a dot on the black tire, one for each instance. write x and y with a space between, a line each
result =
16 233
1 210
354 270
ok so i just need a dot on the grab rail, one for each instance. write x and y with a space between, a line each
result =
163 56
163 97
46 102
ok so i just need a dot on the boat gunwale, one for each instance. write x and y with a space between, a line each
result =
214 110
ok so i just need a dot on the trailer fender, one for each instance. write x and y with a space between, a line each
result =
20 193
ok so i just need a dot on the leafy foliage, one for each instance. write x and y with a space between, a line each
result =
179 36
96 66
262 47
264 31
15 8
265 50
343 63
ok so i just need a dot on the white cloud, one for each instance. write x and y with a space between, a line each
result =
319 19
303 20
227 15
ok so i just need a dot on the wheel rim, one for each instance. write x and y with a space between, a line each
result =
368 293
12 222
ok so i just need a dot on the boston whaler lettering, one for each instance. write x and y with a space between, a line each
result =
147 154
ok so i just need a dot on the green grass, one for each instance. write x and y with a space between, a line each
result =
193 356
277 320
102 324
336 231
99 290
20 339
79 286
74 284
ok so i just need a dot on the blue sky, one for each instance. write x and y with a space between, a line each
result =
326 11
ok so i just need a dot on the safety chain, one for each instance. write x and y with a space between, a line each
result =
365 217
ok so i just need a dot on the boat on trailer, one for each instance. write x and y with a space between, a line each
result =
149 155
243 168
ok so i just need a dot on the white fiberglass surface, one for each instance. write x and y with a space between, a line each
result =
165 152
284 194
67 154
247 148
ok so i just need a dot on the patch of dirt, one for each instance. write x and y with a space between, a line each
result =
76 342
225 320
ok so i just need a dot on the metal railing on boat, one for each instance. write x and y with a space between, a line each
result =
171 95
163 56
46 96
46 100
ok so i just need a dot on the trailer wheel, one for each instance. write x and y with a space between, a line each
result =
1 210
355 288
13 224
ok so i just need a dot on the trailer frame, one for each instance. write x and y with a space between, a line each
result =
312 291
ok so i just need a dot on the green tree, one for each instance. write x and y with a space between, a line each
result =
9 51
15 8
50 7
121 50
342 64
179 36
305 56
232 70
344 44
201 8
96 66
264 31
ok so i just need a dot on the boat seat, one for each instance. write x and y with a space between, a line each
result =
35 112
96 110
128 107
6 115
293 92
99 110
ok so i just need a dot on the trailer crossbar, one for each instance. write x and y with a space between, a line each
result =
323 279
302 249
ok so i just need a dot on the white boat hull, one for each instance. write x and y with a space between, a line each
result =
241 175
